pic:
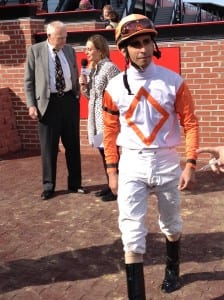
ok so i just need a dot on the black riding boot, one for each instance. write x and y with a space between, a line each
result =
135 281
171 281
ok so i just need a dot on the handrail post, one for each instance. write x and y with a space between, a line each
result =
143 7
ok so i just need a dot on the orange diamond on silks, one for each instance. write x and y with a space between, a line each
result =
164 116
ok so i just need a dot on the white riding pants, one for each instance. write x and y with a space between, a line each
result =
143 172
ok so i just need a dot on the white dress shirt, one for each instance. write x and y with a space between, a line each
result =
65 68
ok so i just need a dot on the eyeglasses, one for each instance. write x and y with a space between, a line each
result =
136 25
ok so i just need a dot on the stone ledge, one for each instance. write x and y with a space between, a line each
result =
72 16
79 37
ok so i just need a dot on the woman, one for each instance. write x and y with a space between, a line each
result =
92 87
105 14
113 18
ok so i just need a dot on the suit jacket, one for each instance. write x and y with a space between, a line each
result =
36 81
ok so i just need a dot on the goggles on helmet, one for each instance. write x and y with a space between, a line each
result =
135 26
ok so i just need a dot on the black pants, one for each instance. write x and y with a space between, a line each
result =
101 151
61 120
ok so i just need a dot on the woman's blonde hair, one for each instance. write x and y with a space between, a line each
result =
107 7
100 43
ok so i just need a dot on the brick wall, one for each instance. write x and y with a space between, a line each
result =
15 37
9 136
202 66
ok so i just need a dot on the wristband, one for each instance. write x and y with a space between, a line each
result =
191 161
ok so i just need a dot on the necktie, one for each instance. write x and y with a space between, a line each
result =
59 76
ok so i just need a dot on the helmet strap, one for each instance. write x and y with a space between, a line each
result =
125 77
157 52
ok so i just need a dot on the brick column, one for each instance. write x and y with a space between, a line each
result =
9 137
15 37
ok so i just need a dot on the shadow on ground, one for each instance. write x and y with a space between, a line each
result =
96 261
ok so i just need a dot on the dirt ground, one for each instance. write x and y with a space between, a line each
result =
69 248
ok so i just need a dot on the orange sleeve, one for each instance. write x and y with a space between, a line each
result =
111 131
185 108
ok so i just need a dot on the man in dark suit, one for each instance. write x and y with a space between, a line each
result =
56 108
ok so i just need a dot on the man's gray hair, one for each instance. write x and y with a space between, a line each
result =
53 25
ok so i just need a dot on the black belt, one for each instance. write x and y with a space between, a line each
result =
61 94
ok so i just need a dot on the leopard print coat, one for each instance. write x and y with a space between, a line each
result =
97 82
